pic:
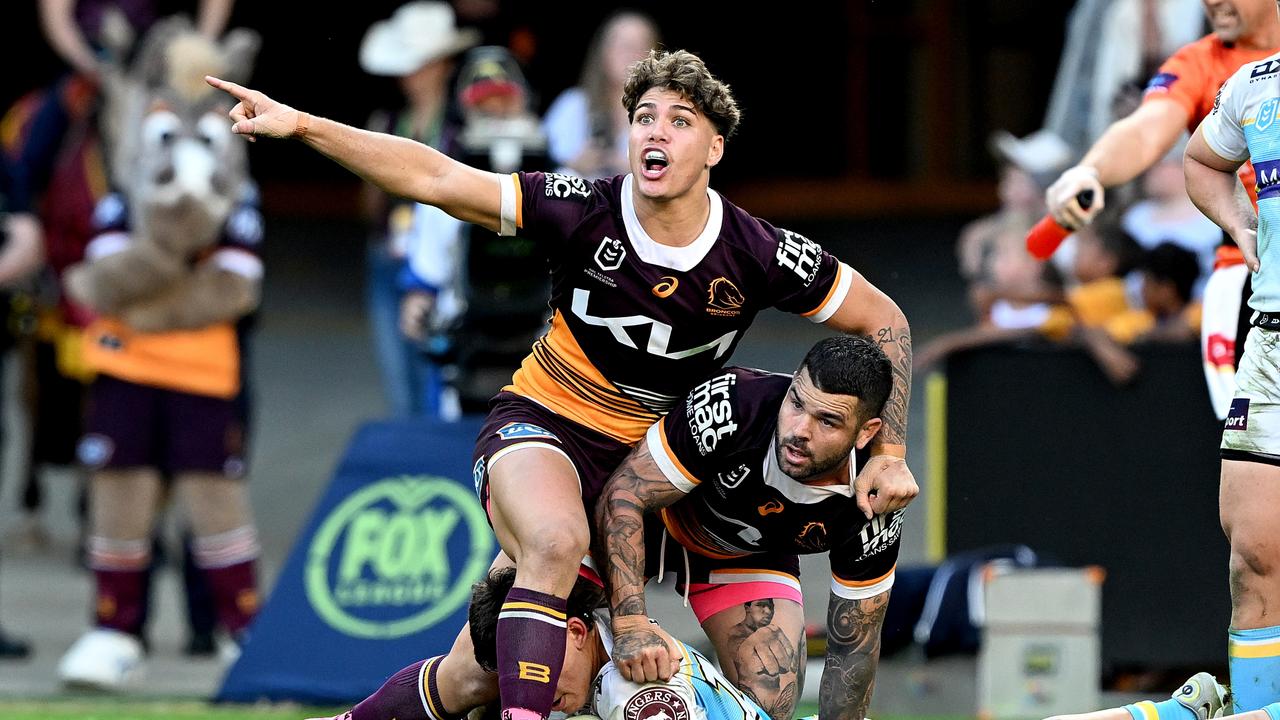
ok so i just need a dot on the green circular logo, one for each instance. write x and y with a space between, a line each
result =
379 566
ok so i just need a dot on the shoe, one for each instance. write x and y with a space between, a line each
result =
1202 695
102 659
12 648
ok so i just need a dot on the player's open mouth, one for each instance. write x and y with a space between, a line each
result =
655 164
794 456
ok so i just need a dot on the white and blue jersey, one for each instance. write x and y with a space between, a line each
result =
697 691
1243 126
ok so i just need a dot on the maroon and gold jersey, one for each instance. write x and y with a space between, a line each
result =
637 323
718 446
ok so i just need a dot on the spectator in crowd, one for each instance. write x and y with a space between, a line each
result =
1168 274
586 125
1166 214
418 45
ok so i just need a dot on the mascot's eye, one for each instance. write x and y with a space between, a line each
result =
160 128
213 130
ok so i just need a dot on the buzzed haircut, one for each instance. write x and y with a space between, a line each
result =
488 595
851 365
683 72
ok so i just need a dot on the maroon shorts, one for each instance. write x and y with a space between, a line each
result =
129 425
515 423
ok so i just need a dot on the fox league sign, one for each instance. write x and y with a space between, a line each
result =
381 575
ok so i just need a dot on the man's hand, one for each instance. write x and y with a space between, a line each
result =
765 652
1247 239
1062 202
256 115
414 308
884 485
640 652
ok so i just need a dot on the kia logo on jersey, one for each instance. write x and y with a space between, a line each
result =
610 254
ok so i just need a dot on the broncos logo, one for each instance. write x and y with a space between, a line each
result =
813 536
724 298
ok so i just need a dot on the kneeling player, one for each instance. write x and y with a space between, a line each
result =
1199 698
749 471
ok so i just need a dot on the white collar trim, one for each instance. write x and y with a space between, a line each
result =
681 259
796 491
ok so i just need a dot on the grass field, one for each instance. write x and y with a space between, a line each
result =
109 709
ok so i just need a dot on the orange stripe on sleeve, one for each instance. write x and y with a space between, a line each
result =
830 293
865 583
515 178
662 434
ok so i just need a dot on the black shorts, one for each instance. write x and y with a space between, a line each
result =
515 422
129 425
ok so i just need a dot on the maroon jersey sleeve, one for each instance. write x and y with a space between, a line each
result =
805 279
684 443
863 565
547 205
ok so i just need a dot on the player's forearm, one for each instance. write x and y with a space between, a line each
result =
620 521
894 337
853 654
1220 196
400 166
1132 145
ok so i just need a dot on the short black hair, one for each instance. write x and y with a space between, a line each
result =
488 595
851 365
1169 262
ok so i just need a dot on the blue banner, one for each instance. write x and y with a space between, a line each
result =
381 575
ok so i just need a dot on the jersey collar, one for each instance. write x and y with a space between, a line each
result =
796 491
682 259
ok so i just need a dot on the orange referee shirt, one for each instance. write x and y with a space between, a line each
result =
1191 77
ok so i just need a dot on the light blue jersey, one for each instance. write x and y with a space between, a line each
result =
696 692
1242 126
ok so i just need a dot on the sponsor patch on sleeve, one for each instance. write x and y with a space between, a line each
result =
1162 82
567 186
524 431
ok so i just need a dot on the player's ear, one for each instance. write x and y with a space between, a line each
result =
578 632
716 152
867 431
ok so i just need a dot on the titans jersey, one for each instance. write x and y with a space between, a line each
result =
697 691
1242 126
635 322
718 446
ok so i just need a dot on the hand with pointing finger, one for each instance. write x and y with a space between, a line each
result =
256 115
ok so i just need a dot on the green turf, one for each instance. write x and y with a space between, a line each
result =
109 709
114 709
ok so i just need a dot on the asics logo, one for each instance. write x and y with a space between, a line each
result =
666 287
769 508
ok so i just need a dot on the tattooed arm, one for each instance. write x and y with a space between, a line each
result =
636 487
868 311
853 652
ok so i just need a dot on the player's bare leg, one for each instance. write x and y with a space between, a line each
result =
537 514
225 547
1248 500
761 646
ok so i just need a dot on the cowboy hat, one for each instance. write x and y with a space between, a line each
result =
416 34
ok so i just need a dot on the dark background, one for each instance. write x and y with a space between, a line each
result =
887 99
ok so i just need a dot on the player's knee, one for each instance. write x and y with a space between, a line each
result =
560 546
1250 560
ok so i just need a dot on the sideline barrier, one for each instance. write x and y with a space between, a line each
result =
381 574
1040 449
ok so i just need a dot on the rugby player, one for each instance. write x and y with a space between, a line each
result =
750 471
655 277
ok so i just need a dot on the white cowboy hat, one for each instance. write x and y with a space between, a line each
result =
416 34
